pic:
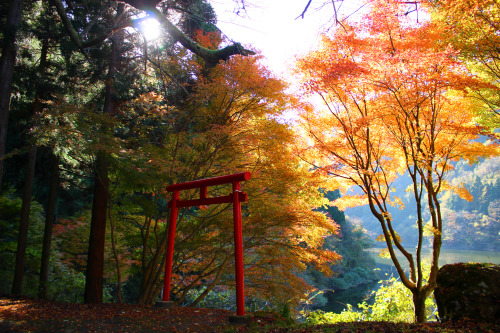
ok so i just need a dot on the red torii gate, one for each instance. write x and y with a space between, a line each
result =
236 197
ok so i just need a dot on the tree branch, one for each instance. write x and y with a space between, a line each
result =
305 10
211 57
75 36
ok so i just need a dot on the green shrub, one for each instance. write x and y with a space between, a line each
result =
68 285
319 317
225 299
393 302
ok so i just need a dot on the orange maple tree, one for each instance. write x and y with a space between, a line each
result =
227 124
473 27
393 103
282 235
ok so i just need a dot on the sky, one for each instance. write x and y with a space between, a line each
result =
273 28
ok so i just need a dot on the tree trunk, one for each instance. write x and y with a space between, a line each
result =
152 275
22 239
419 297
95 261
212 284
28 184
115 256
152 271
7 62
47 234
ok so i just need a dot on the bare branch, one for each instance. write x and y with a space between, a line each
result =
305 10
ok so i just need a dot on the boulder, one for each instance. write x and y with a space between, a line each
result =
468 290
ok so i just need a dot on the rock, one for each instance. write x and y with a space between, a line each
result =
468 290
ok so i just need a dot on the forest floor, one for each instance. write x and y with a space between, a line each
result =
33 315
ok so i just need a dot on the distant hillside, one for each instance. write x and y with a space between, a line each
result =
468 225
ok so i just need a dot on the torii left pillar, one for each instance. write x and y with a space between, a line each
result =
236 197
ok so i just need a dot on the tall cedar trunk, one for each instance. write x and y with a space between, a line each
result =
28 186
95 262
6 71
47 234
22 239
115 256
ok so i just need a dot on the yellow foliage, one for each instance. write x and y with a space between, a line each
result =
381 238
349 201
384 253
460 190
430 230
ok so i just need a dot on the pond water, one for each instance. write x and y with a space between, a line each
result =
448 256
338 300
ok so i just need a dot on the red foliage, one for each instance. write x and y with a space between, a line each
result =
210 40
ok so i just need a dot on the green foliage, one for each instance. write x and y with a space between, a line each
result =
68 285
392 302
319 317
199 15
352 278
226 299
285 312
357 264
10 212
351 243
222 299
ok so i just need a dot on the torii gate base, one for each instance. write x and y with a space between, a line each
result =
236 197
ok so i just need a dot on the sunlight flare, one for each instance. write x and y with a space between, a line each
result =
150 28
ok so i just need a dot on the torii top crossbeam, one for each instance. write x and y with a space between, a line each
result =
202 184
237 177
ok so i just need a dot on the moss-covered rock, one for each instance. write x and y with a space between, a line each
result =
468 290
